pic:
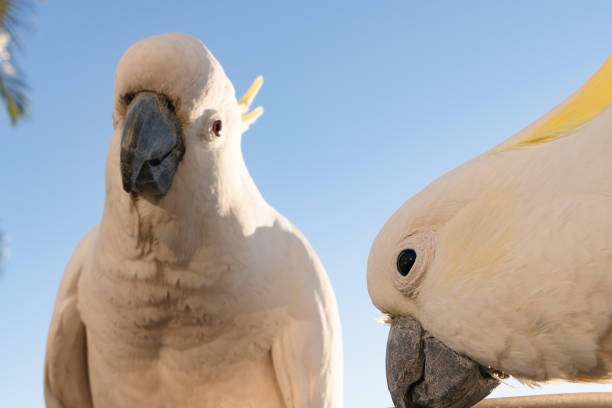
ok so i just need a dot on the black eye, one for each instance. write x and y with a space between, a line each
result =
217 128
405 260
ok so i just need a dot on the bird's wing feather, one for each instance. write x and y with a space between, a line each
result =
307 352
291 374
66 371
301 356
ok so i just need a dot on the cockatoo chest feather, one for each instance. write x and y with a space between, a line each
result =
154 326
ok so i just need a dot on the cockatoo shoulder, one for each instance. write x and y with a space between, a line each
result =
66 380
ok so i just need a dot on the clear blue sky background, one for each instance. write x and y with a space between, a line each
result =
365 106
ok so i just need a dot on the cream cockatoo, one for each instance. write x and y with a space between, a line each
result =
192 291
503 266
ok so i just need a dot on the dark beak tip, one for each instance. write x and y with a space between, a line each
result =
127 187
126 176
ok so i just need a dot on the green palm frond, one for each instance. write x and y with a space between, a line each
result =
12 88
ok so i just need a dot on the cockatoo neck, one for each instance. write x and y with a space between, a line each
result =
223 208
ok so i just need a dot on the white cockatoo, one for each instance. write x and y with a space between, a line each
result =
503 266
192 291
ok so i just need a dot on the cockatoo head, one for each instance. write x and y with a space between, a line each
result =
409 281
502 266
177 124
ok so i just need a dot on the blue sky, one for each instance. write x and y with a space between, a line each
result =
366 103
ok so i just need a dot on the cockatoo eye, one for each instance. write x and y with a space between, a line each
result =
405 260
412 257
217 128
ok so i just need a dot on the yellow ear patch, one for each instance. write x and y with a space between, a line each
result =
475 241
595 96
245 103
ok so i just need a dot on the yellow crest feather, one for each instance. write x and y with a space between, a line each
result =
245 103
591 100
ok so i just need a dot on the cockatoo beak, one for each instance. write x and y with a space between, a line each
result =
151 145
423 372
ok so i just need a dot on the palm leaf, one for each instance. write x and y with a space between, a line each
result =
12 88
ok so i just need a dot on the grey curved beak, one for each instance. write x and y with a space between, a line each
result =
151 145
423 372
